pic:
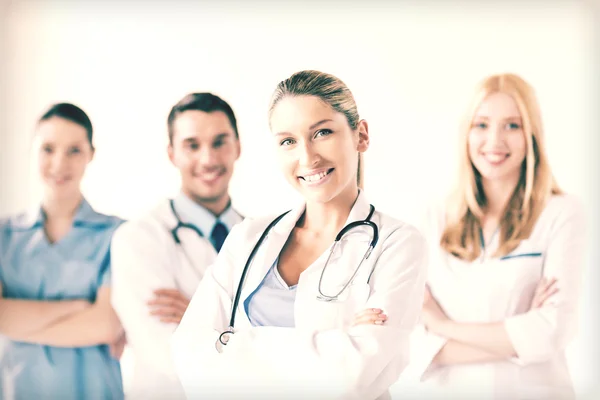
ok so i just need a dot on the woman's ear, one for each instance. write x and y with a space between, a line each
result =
363 136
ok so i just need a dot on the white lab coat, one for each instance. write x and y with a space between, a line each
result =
144 257
492 290
323 356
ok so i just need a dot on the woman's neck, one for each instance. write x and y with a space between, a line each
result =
330 216
61 208
497 195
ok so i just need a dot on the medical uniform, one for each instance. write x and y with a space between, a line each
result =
75 267
145 257
323 355
492 289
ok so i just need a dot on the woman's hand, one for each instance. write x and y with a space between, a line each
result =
544 291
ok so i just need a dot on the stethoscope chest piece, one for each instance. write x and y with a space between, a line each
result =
223 339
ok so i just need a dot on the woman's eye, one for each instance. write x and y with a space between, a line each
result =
286 142
513 126
481 125
323 132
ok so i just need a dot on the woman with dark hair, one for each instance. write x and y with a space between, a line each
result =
54 278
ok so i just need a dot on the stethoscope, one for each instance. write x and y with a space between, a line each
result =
176 237
321 296
180 225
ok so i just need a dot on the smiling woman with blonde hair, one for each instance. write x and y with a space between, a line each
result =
274 317
506 254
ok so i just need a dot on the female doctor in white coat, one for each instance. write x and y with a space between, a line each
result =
510 236
294 334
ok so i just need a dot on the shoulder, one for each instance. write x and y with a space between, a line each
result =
86 216
111 222
401 252
398 233
249 227
563 208
153 223
8 223
23 223
564 203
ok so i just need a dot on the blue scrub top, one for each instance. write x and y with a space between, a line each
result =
75 267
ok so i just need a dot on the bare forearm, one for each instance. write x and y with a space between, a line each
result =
455 352
19 318
490 337
91 327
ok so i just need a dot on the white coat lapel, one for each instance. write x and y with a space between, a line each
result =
269 250
348 253
360 234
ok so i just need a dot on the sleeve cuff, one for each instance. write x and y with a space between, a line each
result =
520 329
424 346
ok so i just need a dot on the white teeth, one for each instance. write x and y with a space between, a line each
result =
315 177
495 157
209 175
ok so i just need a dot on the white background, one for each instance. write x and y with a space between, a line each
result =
411 67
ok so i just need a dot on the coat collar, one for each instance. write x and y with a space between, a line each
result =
275 240
195 214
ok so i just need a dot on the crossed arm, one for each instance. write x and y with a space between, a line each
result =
466 343
478 342
71 323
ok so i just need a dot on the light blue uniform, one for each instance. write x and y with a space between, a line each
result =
272 303
75 267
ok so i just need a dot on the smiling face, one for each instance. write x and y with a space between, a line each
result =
204 150
496 140
64 153
317 149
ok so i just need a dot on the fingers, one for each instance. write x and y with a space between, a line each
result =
545 289
165 311
168 314
117 348
168 293
545 283
547 295
370 316
427 294
169 297
168 302
168 317
169 305
172 319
